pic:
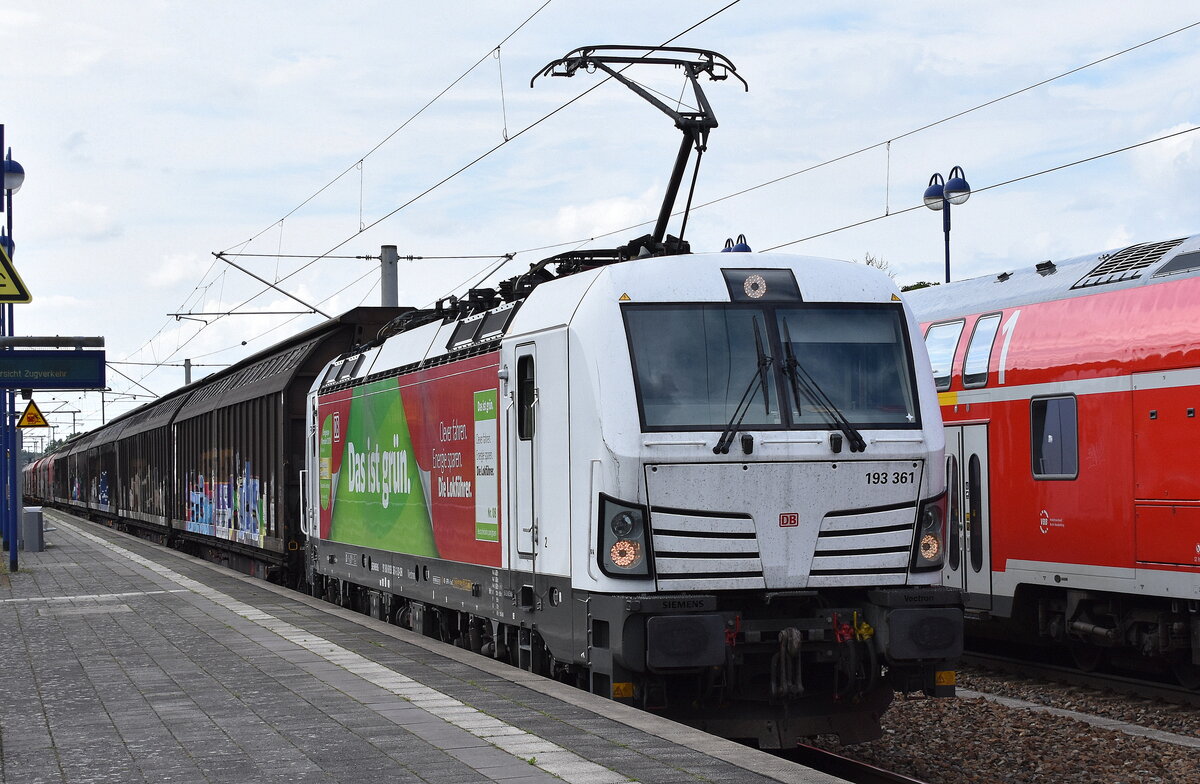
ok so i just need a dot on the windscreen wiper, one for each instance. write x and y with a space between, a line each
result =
758 381
799 378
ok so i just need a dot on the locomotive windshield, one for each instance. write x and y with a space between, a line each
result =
692 364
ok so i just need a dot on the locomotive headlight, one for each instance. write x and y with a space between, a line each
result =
929 550
624 546
625 554
930 547
624 524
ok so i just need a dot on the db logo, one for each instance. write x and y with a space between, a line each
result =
789 520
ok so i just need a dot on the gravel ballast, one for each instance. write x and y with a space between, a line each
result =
979 739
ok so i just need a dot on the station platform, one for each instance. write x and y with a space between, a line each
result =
121 661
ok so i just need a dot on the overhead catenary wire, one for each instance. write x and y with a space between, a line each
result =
165 362
475 161
884 143
327 256
993 186
280 222
743 191
405 124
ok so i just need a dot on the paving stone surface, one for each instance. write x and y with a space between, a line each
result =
124 662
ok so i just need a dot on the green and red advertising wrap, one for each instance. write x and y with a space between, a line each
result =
411 464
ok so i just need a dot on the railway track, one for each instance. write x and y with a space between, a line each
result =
1118 683
851 770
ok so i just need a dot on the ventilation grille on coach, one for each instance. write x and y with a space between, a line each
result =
869 547
1126 264
699 552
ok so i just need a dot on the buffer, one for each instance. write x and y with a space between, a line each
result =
12 288
32 417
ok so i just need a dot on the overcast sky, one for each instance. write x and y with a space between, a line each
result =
155 133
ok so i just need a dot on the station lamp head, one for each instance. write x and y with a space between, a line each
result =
14 173
957 190
935 193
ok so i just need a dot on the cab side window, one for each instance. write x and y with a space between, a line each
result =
526 396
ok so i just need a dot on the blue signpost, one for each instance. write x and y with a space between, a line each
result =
14 175
22 370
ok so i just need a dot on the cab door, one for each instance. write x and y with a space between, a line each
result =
968 528
524 476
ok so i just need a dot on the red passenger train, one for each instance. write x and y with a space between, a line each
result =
1069 392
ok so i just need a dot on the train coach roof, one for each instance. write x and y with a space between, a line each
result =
83 443
274 369
152 415
267 371
109 434
270 374
1136 265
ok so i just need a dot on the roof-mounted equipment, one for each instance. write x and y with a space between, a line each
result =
694 124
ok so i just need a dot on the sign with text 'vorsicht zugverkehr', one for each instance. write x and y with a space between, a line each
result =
73 369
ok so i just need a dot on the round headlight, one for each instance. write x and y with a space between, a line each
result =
625 554
623 524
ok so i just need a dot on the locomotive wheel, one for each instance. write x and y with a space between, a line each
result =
1187 674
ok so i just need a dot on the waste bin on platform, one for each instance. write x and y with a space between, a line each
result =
31 539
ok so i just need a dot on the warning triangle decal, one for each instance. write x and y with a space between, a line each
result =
32 417
12 288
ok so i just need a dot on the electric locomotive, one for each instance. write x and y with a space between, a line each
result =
1069 391
709 485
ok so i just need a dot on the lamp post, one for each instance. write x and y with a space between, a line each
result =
941 194
14 176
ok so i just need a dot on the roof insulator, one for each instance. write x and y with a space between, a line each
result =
1003 276
1046 268
740 246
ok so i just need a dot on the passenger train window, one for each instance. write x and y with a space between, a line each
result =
953 487
940 342
979 351
526 396
975 512
1054 438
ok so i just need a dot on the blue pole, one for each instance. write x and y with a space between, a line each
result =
945 228
10 541
9 424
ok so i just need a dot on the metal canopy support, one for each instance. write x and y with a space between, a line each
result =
695 125
23 341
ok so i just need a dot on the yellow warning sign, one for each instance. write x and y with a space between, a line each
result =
12 288
624 298
33 417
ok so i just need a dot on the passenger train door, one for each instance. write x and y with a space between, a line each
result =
968 527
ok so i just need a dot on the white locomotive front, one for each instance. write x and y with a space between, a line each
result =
709 485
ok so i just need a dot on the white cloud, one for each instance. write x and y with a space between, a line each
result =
174 269
85 221
297 70
153 134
